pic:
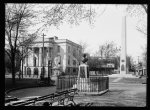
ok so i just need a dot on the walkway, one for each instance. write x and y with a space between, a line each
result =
120 94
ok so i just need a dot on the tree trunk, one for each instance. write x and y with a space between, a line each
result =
20 69
13 69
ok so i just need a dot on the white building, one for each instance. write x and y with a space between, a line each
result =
57 50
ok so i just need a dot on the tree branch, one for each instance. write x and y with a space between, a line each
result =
8 53
140 30
145 8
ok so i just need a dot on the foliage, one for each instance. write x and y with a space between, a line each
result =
84 46
18 17
70 13
107 50
130 63
7 63
139 12
144 55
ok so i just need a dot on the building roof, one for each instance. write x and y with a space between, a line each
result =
55 40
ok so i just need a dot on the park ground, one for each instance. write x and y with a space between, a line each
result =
122 92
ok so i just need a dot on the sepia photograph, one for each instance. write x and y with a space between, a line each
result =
69 54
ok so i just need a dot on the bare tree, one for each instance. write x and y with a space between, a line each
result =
139 11
84 46
144 55
107 50
17 20
70 13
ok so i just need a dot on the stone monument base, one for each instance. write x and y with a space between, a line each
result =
83 84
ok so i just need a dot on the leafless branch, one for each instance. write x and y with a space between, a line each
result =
144 7
140 30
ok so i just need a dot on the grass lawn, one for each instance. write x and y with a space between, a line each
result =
129 80
133 80
19 83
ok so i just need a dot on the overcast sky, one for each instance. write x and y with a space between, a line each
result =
106 28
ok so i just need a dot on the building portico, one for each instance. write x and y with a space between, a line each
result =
54 48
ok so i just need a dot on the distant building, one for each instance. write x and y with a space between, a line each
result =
62 51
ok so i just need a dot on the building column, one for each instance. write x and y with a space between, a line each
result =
25 61
47 55
40 56
32 56
27 57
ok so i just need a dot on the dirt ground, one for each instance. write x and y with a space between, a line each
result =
129 95
119 94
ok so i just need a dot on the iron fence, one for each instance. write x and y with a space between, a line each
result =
91 84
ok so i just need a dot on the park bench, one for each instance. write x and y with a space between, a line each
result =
10 98
52 98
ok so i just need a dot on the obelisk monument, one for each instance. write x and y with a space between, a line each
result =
123 65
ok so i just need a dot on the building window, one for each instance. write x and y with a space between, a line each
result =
68 49
74 53
79 52
50 52
58 49
68 60
74 62
74 70
68 70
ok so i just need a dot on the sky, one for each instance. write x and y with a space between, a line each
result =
107 27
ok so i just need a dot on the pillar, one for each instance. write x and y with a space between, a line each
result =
25 61
27 57
32 56
123 66
40 56
46 56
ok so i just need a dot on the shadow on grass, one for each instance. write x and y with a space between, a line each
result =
20 83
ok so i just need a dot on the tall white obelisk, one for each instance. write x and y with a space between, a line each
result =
123 65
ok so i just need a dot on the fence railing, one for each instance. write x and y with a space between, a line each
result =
92 84
58 97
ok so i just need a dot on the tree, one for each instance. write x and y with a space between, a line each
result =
144 55
107 50
7 63
24 48
130 63
84 46
18 17
140 12
70 13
